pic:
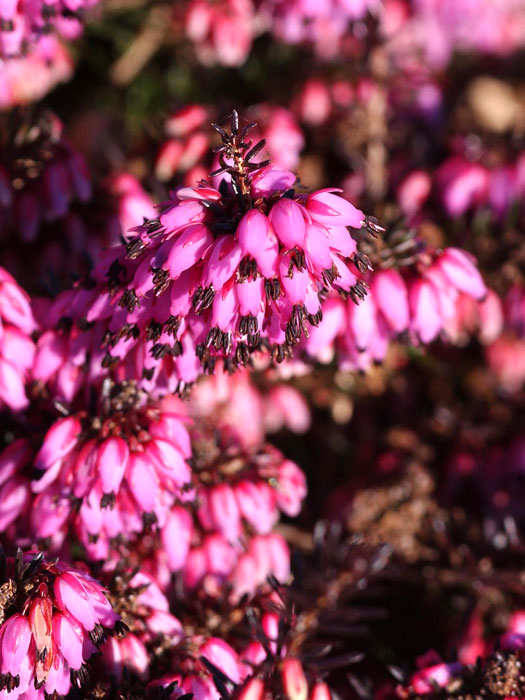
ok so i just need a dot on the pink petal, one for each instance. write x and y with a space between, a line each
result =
286 217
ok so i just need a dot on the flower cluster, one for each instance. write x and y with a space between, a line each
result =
221 273
23 24
420 302
28 78
222 32
110 475
241 491
488 666
46 203
52 619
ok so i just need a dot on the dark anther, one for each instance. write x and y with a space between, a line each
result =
159 350
373 226
135 248
109 361
153 331
176 349
211 338
172 325
108 501
129 300
362 262
203 299
242 354
161 280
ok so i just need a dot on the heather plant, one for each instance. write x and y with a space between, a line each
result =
262 349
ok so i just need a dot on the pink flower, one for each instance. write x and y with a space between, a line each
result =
50 634
22 25
223 32
16 346
193 288
131 466
146 610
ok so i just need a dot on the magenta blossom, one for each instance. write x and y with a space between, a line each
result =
110 476
23 24
28 78
16 345
421 302
221 273
53 618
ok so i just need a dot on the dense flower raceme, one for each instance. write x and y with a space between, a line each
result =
17 348
144 609
196 662
23 24
52 619
221 273
108 479
40 176
241 491
28 78
419 301
186 150
288 646
211 669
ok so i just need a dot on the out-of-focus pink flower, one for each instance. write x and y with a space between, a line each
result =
26 24
314 104
16 345
28 78
413 191
222 32
463 185
132 201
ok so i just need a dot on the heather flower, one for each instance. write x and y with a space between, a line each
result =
227 541
16 346
421 301
110 474
197 661
15 487
28 78
505 346
229 398
53 618
221 273
222 32
430 32
144 609
25 24
322 24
